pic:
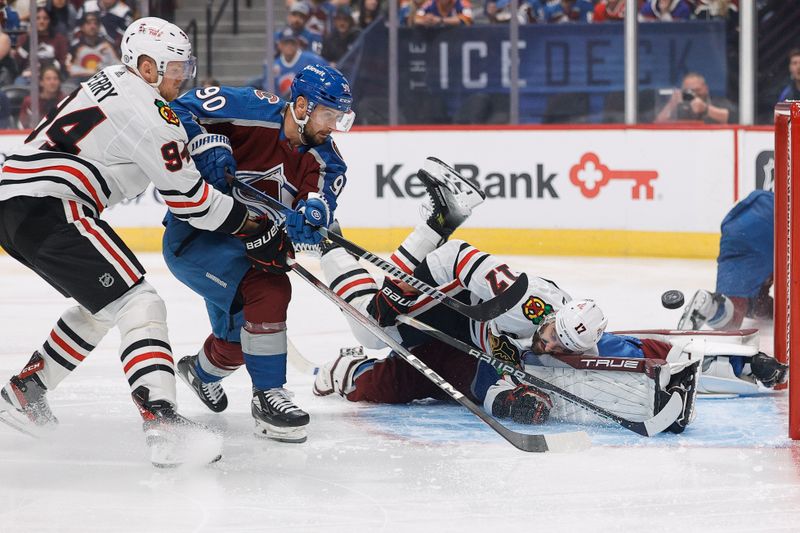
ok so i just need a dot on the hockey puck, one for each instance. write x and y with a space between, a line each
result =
672 299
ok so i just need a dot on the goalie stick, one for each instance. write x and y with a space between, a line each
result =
555 442
481 312
658 423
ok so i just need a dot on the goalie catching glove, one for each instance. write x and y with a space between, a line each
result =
310 214
213 157
267 247
520 402
389 302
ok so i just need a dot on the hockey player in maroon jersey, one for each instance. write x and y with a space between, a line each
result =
105 143
284 149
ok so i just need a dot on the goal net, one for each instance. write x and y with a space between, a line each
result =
787 251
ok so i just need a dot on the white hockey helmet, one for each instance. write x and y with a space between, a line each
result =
580 324
161 41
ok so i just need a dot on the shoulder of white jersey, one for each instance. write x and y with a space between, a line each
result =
542 299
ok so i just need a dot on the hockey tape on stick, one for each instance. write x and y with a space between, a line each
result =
561 442
480 312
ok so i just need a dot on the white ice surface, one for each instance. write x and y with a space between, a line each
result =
430 467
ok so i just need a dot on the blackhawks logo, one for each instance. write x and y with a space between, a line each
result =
534 309
167 113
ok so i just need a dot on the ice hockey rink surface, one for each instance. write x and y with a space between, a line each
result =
422 467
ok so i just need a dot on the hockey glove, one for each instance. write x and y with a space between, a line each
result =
310 214
523 404
267 247
389 302
213 156
768 370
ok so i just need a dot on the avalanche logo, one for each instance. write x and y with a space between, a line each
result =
269 97
590 175
167 113
534 309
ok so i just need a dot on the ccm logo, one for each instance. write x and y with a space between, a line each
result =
610 363
264 239
397 298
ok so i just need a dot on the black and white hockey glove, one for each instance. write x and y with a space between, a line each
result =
523 404
389 302
267 247
768 370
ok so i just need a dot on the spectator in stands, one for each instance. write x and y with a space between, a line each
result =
368 11
664 10
568 11
342 36
210 82
499 11
693 102
5 112
63 17
792 90
115 16
407 14
91 50
10 20
320 18
291 60
715 9
49 96
609 10
53 47
445 13
8 66
296 22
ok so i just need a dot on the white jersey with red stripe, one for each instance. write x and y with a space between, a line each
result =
105 143
485 276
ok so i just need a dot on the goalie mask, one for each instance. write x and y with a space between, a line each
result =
326 87
164 43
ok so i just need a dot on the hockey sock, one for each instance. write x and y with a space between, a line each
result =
419 243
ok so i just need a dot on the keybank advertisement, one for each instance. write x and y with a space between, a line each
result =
591 179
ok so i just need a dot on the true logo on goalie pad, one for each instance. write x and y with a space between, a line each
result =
535 309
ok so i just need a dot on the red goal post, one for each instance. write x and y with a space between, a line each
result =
787 251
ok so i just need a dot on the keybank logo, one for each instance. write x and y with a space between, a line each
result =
399 181
590 175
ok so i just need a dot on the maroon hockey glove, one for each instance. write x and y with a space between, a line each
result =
267 247
523 404
389 302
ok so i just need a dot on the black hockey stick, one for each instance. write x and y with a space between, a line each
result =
658 423
480 312
556 442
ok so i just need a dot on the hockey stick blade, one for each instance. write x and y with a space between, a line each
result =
481 312
647 428
298 361
564 442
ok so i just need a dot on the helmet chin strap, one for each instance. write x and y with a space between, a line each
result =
301 124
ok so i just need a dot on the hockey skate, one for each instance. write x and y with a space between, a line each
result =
211 394
704 307
277 417
23 401
685 384
173 440
452 197
337 375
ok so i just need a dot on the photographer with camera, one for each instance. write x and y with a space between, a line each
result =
693 102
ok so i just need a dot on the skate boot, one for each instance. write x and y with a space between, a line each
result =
452 197
277 417
768 370
705 306
171 439
211 394
23 401
337 375
320 249
685 384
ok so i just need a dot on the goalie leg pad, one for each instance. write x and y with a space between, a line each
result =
339 375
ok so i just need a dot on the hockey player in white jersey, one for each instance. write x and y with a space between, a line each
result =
103 144
546 320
